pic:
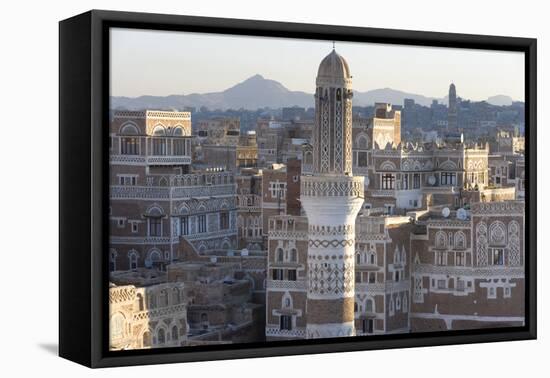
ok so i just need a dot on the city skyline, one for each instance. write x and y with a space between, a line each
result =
164 70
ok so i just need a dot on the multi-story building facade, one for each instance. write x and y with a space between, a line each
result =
469 273
437 246
249 210
156 199
152 316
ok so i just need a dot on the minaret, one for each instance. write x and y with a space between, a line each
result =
331 198
452 115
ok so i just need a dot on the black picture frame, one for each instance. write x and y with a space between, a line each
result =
83 181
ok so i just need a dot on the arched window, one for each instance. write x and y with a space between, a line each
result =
280 254
440 240
175 333
178 131
175 296
387 166
116 326
152 301
153 259
146 339
460 240
362 141
159 130
372 257
396 255
154 221
161 336
112 260
159 143
497 233
308 158
129 142
129 129
163 298
293 255
133 259
369 305
141 304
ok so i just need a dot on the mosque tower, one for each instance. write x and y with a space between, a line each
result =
452 116
331 197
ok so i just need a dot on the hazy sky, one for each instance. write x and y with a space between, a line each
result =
161 63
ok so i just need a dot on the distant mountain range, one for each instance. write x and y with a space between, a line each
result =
258 92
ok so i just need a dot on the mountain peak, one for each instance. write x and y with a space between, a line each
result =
255 77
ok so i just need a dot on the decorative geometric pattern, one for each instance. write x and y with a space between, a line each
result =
348 126
122 294
481 245
497 233
505 207
325 138
514 258
340 230
338 137
331 243
328 279
336 187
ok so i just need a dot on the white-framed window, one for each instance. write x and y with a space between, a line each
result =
121 222
154 226
416 181
286 322
201 223
507 292
368 325
448 178
277 190
372 277
496 256
178 147
127 180
184 225
277 275
388 181
134 227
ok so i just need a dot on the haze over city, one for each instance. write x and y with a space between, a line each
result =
164 63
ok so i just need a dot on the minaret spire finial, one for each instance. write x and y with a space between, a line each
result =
333 45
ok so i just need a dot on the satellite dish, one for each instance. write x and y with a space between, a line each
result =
445 212
431 180
462 214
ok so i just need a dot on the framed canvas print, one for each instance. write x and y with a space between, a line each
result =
235 188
